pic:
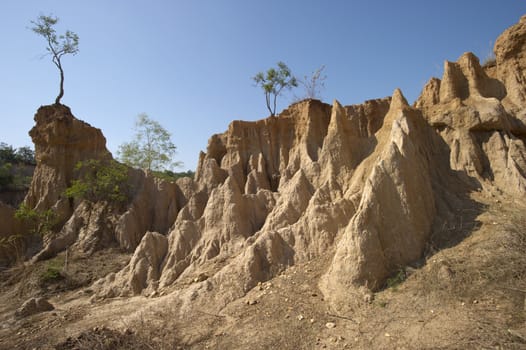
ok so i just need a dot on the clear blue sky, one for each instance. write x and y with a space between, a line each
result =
188 64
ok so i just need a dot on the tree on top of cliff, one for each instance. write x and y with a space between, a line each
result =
314 84
273 82
151 148
57 46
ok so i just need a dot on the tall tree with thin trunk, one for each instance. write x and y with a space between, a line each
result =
57 46
151 148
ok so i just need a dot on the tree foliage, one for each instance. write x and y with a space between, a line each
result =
57 46
6 176
7 153
169 175
25 155
151 148
12 162
314 84
100 181
273 82
39 222
22 155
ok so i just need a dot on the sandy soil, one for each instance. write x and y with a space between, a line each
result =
469 295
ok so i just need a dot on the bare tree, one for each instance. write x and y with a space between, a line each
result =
314 84
57 46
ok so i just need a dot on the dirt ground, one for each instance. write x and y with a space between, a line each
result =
467 295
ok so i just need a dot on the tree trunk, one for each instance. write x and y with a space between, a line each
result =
59 97
267 98
275 97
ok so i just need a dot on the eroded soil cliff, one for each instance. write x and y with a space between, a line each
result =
378 225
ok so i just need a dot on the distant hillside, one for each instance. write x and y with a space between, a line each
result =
16 171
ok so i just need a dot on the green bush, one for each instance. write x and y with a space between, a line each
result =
40 222
52 271
100 181
394 281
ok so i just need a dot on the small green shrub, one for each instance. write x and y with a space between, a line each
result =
100 181
52 272
382 303
394 281
39 222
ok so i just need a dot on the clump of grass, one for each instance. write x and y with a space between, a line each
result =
394 281
52 271
382 303
489 62
106 339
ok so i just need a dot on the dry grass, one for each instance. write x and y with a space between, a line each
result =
494 259
155 330
105 339
486 273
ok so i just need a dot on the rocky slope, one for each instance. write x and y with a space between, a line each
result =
370 183
370 188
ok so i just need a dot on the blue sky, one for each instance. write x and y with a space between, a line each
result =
188 64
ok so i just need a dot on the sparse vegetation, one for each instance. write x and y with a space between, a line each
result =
57 46
490 61
37 222
100 181
40 222
13 242
52 271
151 148
394 281
273 82
473 273
381 303
103 338
239 263
314 83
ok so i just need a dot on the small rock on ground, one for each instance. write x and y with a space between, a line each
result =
34 306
